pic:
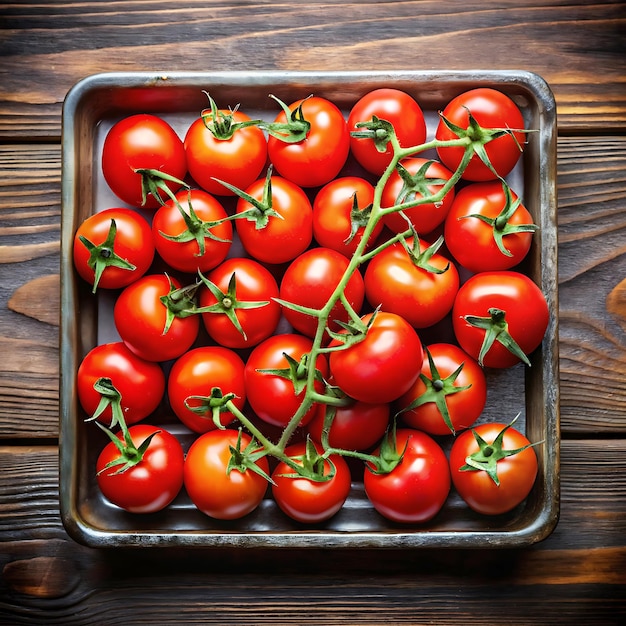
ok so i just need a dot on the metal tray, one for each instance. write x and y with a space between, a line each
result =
90 108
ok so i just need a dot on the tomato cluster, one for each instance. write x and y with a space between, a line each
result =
274 285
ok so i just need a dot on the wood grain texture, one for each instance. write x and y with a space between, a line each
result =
569 44
46 578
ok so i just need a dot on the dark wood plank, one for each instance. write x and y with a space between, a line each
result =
575 574
577 46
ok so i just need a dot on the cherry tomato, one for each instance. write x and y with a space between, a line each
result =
492 110
310 501
396 107
509 304
113 248
273 396
151 484
449 395
141 141
319 157
340 211
424 217
201 246
382 366
236 157
415 490
408 281
140 318
285 235
211 374
473 242
310 280
140 383
244 311
515 474
216 489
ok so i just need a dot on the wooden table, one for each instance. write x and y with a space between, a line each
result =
577 575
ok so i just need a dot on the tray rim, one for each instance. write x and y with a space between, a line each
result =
543 523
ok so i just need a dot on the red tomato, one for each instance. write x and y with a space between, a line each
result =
273 396
236 157
419 287
141 141
384 365
396 107
339 224
210 373
153 482
285 235
449 395
515 474
474 242
200 247
509 304
140 317
216 489
310 280
310 501
140 383
424 217
242 295
113 248
417 488
355 426
492 110
319 157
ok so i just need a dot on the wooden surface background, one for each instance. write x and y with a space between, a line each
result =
577 575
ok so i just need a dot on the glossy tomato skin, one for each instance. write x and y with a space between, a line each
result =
133 243
356 426
422 297
516 473
471 241
140 319
154 482
238 160
384 365
141 141
196 373
396 107
310 280
319 157
424 217
218 494
332 209
464 407
272 397
254 283
491 109
140 383
525 308
308 501
417 488
284 237
185 256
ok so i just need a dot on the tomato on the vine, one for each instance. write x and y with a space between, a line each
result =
499 318
113 248
224 478
494 467
142 142
141 480
394 106
198 240
201 382
491 110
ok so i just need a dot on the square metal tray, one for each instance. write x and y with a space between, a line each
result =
90 108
